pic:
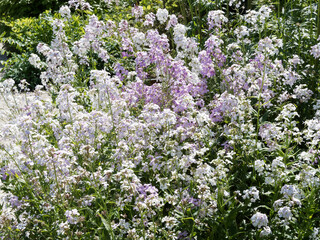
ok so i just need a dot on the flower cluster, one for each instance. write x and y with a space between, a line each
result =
168 138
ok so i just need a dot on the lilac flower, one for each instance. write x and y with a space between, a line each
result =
150 17
173 21
137 11
216 19
72 216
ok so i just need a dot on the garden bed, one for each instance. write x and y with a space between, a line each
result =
195 121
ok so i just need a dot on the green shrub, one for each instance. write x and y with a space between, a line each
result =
27 8
21 39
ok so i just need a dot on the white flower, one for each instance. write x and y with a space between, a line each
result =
265 231
269 180
162 15
216 19
179 32
252 193
242 31
139 39
35 61
65 12
285 212
170 222
315 50
289 191
288 113
302 93
259 220
72 216
7 85
259 166
295 60
236 3
63 227
277 163
277 204
315 234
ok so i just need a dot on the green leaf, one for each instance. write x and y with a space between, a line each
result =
106 225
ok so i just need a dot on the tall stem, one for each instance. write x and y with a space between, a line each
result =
318 20
164 3
249 5
311 22
183 11
199 22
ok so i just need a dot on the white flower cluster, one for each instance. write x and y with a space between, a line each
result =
315 50
139 40
252 193
285 212
259 220
302 93
65 12
270 46
162 15
72 216
216 19
259 166
179 32
236 3
35 61
258 18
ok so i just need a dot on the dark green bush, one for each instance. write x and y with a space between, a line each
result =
27 8
20 40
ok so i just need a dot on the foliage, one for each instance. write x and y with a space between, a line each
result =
27 8
25 34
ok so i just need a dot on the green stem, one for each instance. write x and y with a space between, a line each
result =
249 4
311 22
164 3
199 22
183 11
259 105
318 20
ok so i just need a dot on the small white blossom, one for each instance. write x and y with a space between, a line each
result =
259 220
265 231
259 166
35 61
289 191
285 212
170 222
252 193
65 12
162 15
72 216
